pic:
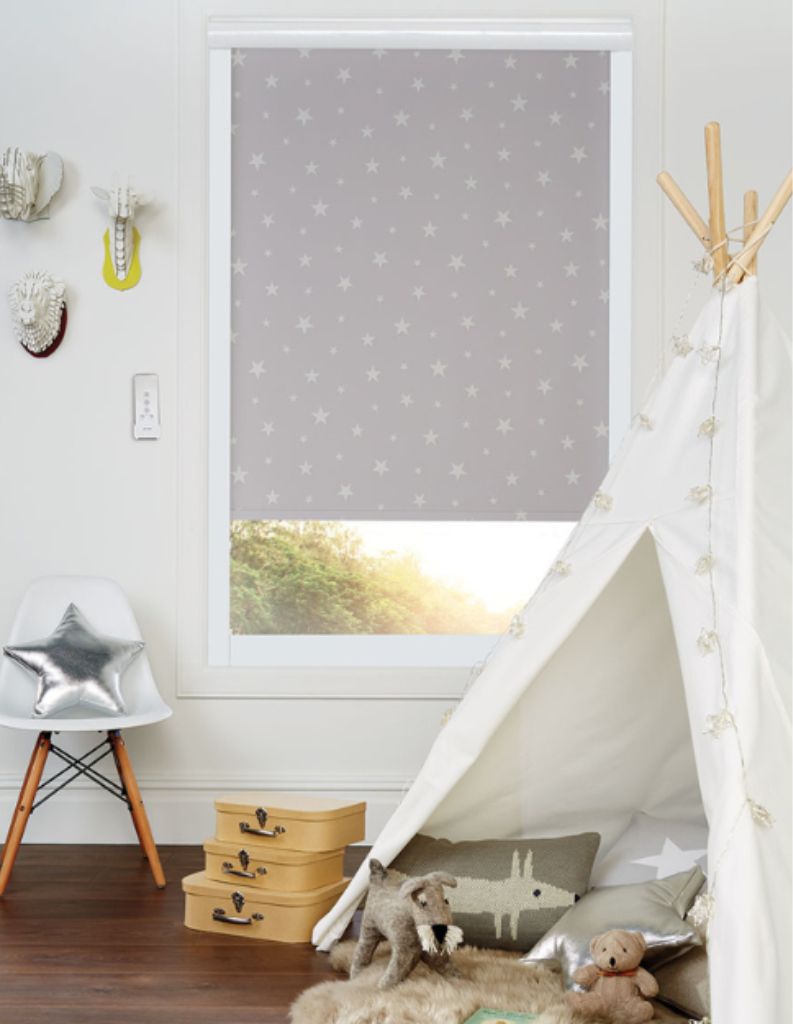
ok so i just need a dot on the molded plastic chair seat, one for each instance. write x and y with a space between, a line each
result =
105 605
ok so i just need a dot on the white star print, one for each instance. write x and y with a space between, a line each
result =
472 390
373 375
344 75
406 192
257 369
579 153
320 209
257 160
456 263
556 326
380 259
268 220
579 363
271 81
504 363
238 59
344 283
545 386
503 155
571 269
519 311
429 229
437 161
320 416
505 427
601 430
268 429
401 119
467 323
238 266
503 218
380 467
240 475
305 468
672 859
456 56
345 491
572 477
418 292
304 116
312 377
519 103
543 178
555 118
271 288
438 368
510 63
372 166
570 61
470 183
402 326
418 84
304 324
419 500
458 470
466 114
600 222
431 437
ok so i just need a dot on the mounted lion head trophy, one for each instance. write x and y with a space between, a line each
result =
121 269
38 307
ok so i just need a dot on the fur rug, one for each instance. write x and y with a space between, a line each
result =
490 978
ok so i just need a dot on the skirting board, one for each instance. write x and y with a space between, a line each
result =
182 812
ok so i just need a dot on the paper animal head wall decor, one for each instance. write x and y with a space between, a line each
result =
121 269
27 183
38 306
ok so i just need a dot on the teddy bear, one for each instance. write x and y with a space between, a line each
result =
617 987
414 916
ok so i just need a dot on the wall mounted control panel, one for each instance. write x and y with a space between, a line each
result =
146 405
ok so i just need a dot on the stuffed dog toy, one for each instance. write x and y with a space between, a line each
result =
413 915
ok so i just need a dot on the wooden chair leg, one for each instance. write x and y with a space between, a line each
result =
27 796
139 816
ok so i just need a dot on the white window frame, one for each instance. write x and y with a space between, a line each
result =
226 34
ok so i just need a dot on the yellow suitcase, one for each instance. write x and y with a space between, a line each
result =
255 913
289 821
271 868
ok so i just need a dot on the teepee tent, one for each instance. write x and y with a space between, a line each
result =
651 670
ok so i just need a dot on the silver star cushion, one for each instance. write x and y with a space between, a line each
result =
76 665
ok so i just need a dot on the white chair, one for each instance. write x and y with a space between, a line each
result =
105 606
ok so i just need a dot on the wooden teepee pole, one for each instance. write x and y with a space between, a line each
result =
758 236
749 221
718 233
684 207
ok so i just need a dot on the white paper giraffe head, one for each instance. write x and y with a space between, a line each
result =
121 268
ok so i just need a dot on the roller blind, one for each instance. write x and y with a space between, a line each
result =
419 283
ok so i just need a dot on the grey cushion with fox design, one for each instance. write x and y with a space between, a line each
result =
509 891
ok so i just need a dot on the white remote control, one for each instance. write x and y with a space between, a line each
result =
146 388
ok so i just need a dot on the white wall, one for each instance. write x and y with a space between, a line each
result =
99 83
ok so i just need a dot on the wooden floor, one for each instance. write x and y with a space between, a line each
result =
85 938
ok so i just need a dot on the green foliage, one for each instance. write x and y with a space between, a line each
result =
314 577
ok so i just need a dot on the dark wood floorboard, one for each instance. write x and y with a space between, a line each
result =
85 938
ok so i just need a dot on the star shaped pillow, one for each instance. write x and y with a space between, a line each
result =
76 665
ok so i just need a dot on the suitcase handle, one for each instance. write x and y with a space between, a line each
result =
242 872
219 914
261 817
229 869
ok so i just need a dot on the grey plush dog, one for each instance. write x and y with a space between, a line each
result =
413 915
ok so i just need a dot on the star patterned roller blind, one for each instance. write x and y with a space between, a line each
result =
419 283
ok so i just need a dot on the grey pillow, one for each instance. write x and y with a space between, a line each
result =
509 891
654 908
684 984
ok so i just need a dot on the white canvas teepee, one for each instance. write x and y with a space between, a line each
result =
651 670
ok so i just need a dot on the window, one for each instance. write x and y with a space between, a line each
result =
418 331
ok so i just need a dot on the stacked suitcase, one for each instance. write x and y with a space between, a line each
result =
275 865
